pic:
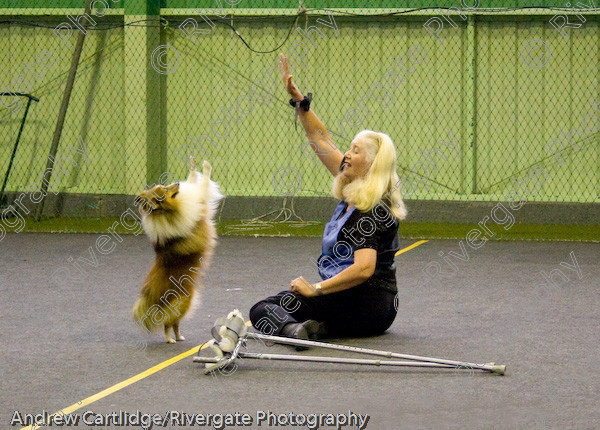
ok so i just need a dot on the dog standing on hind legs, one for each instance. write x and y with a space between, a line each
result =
178 219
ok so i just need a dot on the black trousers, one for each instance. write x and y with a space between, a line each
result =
363 310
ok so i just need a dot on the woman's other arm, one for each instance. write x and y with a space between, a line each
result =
316 132
363 268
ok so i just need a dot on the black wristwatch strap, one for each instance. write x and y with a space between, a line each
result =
304 104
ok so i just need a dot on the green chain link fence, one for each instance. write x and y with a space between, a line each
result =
484 105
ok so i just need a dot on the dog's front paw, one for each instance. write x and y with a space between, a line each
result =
206 168
193 163
171 340
180 338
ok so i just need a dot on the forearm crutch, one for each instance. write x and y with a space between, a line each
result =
232 334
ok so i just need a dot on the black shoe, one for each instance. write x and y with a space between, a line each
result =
307 330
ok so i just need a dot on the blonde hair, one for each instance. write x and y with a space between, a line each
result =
381 180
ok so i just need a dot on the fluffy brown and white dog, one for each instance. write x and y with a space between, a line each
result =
178 219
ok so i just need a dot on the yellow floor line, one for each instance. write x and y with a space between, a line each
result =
122 384
408 248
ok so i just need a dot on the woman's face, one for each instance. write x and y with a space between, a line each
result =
355 160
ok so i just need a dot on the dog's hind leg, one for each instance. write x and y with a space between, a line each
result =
176 331
168 337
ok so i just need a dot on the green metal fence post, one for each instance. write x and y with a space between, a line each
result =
144 85
469 159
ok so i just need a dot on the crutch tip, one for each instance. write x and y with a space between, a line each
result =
500 369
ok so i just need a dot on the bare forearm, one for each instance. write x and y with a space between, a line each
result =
320 140
346 279
318 137
314 128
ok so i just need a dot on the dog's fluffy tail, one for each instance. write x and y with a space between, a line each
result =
141 316
151 313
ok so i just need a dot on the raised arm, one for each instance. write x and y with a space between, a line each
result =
318 137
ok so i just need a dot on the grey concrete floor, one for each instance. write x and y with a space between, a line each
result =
68 335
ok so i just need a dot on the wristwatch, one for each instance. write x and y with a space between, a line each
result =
318 289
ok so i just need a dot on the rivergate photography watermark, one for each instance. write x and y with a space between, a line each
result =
217 421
